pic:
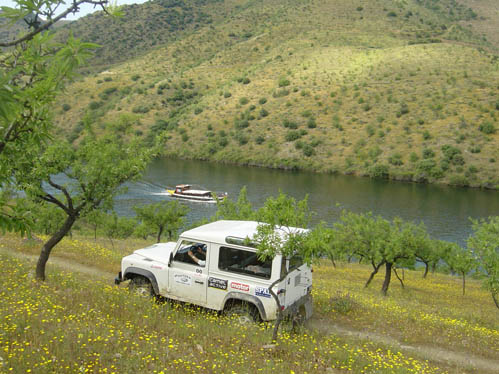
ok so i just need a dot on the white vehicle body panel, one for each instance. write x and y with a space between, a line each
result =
211 286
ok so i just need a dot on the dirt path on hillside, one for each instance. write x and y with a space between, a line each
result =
453 359
456 360
64 264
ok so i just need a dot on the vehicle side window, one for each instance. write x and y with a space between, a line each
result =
182 254
295 262
243 262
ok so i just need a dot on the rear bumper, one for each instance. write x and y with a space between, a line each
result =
118 279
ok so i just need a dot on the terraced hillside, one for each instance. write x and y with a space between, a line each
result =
406 90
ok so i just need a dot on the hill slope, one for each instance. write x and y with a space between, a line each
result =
391 89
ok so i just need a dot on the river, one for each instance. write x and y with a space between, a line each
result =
445 211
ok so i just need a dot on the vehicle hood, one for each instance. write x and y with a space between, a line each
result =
158 252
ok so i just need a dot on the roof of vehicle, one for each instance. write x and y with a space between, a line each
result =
218 231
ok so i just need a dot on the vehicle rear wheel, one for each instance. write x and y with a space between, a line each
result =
243 313
141 286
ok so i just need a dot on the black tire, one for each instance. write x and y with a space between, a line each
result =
141 286
243 313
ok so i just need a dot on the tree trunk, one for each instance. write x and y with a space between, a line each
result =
388 277
159 233
376 268
397 275
494 297
279 311
464 283
427 266
433 267
332 260
51 243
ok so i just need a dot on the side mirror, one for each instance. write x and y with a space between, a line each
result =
171 259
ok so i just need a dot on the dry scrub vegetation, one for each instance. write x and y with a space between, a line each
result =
381 89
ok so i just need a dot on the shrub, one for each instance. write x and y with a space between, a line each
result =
227 94
135 77
458 180
487 128
475 149
379 172
428 153
450 151
198 110
95 105
308 150
241 123
396 159
426 135
246 80
264 112
444 165
289 124
185 137
426 165
108 79
283 82
66 107
140 109
404 109
281 93
292 136
413 157
391 14
223 142
473 169
243 100
436 173
241 138
259 139
311 123
262 101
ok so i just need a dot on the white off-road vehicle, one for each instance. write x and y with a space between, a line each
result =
214 266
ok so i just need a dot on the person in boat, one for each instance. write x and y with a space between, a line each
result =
197 253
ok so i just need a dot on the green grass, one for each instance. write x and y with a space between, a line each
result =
72 323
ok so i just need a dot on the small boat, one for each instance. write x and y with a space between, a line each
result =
185 191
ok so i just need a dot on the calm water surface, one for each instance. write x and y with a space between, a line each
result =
444 210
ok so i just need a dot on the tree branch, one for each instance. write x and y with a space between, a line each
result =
65 192
73 8
51 199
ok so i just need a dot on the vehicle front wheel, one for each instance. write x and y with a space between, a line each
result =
141 286
243 313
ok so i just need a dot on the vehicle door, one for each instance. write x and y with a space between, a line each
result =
187 281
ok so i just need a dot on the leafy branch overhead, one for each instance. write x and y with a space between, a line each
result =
32 72
41 15
92 174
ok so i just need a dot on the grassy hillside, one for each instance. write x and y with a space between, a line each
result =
390 89
419 329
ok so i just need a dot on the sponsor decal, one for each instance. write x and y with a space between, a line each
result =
239 286
221 284
157 267
183 279
262 291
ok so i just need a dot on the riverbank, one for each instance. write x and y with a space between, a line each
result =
381 172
